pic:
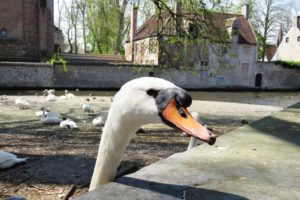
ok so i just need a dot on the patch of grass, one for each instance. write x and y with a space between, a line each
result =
289 64
58 59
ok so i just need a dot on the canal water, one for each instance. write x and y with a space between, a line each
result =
282 99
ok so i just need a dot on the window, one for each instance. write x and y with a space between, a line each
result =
151 74
287 39
204 63
3 33
193 31
43 3
298 39
224 50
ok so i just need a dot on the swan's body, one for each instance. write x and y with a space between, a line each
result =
87 108
47 92
68 123
142 101
22 103
69 95
39 113
98 121
51 97
8 160
51 117
66 96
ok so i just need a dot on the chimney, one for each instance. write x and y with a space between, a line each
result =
245 11
133 29
296 22
280 35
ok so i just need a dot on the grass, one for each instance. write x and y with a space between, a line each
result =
289 64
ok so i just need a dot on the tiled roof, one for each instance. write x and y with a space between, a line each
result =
218 20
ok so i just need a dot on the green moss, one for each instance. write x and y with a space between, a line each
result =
289 64
58 59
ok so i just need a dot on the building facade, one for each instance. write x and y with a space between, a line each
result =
238 55
289 46
26 30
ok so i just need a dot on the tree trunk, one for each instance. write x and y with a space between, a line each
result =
121 11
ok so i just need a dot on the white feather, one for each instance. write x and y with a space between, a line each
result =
22 103
98 121
8 160
68 123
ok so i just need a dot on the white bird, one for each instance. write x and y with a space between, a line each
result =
87 108
66 96
47 92
194 142
98 121
40 113
22 103
69 95
51 97
68 123
51 117
139 102
8 160
3 97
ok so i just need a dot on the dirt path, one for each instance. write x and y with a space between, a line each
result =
61 161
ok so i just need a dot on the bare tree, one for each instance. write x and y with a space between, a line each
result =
266 21
82 6
72 12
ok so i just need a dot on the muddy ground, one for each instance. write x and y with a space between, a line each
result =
60 161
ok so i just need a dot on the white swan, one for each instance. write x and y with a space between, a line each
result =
66 96
22 103
87 108
8 160
51 117
69 95
142 101
51 97
47 92
194 142
98 121
68 123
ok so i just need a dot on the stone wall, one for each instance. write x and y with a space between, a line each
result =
113 76
26 75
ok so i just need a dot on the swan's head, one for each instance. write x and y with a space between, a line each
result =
153 100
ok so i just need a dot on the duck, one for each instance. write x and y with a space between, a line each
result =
22 103
51 117
8 160
68 123
98 121
87 108
145 100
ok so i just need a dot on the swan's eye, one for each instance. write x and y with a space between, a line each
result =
152 92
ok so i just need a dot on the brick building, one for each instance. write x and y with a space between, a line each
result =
26 30
206 52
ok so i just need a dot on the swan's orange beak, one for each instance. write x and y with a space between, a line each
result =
187 123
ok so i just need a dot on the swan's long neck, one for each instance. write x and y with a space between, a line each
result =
116 135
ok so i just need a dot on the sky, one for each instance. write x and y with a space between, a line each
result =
295 10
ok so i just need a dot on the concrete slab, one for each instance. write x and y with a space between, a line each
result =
257 161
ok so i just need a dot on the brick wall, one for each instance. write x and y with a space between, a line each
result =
21 18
